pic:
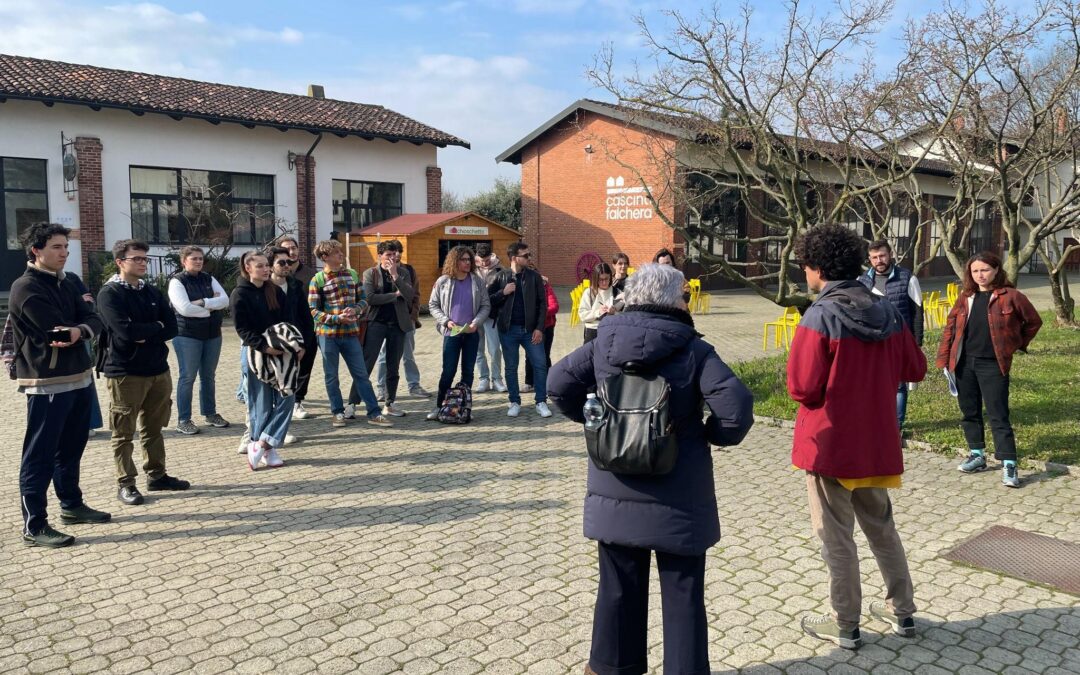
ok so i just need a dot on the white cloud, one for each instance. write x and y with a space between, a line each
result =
144 37
488 102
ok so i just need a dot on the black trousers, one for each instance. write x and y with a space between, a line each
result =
620 621
590 335
549 337
394 337
311 350
57 427
979 382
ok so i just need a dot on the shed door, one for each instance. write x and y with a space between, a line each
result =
446 244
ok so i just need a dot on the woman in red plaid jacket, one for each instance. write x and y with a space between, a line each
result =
989 322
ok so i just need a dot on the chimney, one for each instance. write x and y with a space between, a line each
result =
316 91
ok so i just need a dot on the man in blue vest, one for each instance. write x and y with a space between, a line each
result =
902 289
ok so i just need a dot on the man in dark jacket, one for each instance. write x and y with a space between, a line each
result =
901 287
850 352
302 274
674 514
140 324
389 291
518 296
57 378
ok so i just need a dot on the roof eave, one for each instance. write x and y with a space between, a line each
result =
513 153
280 126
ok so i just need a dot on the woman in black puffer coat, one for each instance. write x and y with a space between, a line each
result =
673 514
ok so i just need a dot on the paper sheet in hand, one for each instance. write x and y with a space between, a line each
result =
952 381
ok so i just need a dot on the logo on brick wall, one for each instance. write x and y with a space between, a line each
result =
626 203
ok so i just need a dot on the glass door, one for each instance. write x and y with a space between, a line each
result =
23 202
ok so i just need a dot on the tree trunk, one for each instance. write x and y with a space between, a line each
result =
1064 305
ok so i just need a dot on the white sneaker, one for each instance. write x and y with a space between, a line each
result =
393 410
245 441
255 454
483 386
514 410
350 411
273 459
543 410
526 388
433 415
500 386
300 412
289 439
93 432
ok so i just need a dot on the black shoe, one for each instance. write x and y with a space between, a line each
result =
167 482
48 538
84 514
130 495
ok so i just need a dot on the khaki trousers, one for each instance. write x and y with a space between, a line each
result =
144 403
833 512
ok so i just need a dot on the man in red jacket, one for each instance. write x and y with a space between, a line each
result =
850 353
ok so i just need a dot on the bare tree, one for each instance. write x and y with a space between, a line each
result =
795 131
1014 143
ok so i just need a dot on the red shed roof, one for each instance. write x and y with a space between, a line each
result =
411 223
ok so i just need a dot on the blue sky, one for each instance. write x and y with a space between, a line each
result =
489 71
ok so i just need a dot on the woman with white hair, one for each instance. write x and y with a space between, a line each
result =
673 514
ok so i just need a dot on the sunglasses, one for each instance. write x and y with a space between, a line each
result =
284 263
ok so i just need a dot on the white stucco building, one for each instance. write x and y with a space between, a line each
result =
176 161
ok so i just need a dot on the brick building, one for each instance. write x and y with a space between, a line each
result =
115 154
583 197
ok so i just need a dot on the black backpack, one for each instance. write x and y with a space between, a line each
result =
457 405
635 435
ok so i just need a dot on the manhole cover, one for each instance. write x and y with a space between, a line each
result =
1027 556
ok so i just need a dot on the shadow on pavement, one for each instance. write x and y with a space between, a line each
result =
1043 640
252 522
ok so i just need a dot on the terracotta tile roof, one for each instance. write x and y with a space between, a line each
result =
53 81
411 223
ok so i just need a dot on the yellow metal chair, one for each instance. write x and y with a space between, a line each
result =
575 302
952 293
783 329
629 271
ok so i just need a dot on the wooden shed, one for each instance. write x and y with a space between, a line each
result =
426 239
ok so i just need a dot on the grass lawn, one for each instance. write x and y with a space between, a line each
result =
1044 397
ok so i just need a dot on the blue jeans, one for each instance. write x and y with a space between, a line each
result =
96 421
514 337
349 349
241 389
901 404
269 413
490 352
463 347
408 359
196 357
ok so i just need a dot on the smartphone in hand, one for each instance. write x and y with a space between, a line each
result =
58 335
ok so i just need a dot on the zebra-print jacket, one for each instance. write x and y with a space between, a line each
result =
280 372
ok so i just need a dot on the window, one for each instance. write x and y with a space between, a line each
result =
181 206
722 221
358 204
23 197
940 204
903 220
981 238
854 216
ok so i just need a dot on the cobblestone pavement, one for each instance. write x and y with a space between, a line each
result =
434 549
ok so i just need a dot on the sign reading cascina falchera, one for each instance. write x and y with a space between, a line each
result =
626 203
